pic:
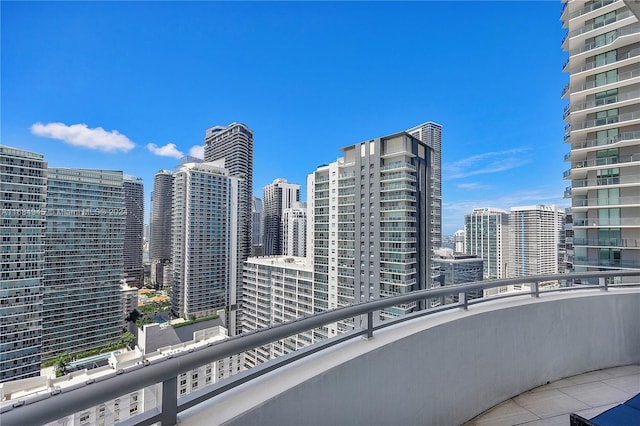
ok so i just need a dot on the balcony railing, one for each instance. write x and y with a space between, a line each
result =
594 6
595 162
595 25
593 64
593 202
627 116
589 143
46 408
597 44
606 180
634 94
608 222
607 242
621 77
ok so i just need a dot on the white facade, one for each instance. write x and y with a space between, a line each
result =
294 230
204 239
278 289
460 241
534 240
487 237
603 134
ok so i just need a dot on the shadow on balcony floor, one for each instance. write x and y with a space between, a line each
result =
587 394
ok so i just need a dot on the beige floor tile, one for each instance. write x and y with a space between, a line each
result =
592 376
549 403
561 420
596 393
628 384
507 413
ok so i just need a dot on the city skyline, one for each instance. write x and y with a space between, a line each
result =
123 78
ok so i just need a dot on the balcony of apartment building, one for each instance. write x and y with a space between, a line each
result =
611 76
578 9
519 352
608 118
621 158
615 19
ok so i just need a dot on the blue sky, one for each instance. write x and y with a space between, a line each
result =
112 85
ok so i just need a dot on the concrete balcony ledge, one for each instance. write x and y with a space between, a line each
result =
441 369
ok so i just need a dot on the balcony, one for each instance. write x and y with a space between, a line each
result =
590 143
595 25
634 29
591 65
621 77
594 6
633 95
621 118
607 242
586 328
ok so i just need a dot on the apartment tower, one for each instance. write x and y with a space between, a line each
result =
133 191
294 230
23 189
603 134
487 231
234 143
204 239
278 196
160 239
369 228
83 260
534 240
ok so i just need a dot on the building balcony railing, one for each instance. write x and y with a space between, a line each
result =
605 263
595 25
593 64
54 404
634 29
605 181
589 143
593 202
607 242
590 8
634 94
627 116
595 162
621 77
606 223
398 166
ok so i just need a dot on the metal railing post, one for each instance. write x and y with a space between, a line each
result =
169 416
463 300
535 291
369 325
603 282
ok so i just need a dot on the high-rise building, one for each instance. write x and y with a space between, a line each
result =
234 143
23 187
431 134
276 290
204 238
160 239
460 242
487 237
369 228
294 230
534 240
278 196
133 191
256 227
85 227
603 133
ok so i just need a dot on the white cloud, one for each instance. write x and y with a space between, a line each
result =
169 150
82 135
488 162
197 151
473 185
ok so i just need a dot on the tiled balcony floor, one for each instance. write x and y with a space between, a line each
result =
586 394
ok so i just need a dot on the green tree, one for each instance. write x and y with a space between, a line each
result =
61 363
